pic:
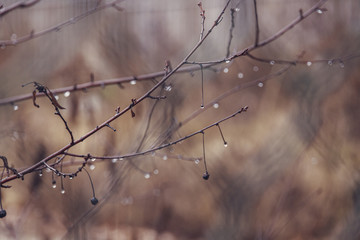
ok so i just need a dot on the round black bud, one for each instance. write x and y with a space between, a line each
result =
94 201
2 213
206 176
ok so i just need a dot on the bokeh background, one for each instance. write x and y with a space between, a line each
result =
291 168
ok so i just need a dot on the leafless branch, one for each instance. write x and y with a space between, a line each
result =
20 4
58 27
125 110
257 30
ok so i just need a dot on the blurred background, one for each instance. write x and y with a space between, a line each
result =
291 167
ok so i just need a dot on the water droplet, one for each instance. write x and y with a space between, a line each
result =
114 160
226 70
13 38
330 62
165 158
71 177
40 174
225 144
156 171
216 105
63 191
92 167
127 201
48 170
272 62
227 61
237 9
54 184
197 161
147 175
93 159
319 11
260 84
67 94
133 82
16 107
240 75
309 64
255 68
202 106
121 159
57 97
168 88
341 64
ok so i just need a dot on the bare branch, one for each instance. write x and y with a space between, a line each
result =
257 30
21 4
57 27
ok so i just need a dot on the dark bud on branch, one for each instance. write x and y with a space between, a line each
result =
206 176
94 201
2 213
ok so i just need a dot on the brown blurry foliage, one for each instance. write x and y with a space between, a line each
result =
290 171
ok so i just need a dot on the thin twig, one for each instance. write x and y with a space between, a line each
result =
130 155
231 31
20 4
257 30
58 27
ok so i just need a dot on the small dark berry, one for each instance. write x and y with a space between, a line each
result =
206 176
2 213
94 201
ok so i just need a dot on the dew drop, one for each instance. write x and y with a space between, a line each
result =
13 38
40 174
330 62
93 159
165 158
226 70
255 68
67 94
319 11
114 160
197 161
240 75
168 88
202 106
57 97
133 82
341 64
225 144
156 171
121 159
71 177
260 84
309 64
63 191
272 62
54 184
48 170
216 105
237 9
227 61
16 107
147 175
92 167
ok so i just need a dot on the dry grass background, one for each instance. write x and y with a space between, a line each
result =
291 170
